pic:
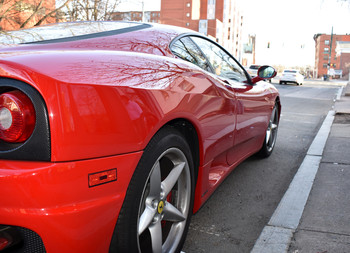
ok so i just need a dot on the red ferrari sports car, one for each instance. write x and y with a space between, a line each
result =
114 133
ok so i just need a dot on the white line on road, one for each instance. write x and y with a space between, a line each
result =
277 234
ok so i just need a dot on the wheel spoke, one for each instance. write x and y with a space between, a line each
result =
172 178
146 219
155 181
156 237
274 126
171 213
268 134
273 115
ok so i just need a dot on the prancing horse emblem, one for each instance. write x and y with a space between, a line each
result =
160 207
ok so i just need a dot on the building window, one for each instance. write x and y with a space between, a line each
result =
188 5
211 9
187 24
325 65
188 14
326 42
326 49
334 65
325 57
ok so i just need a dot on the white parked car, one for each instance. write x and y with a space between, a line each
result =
291 76
253 70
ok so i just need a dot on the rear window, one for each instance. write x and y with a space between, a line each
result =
67 31
290 71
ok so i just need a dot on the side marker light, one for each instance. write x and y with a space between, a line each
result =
102 177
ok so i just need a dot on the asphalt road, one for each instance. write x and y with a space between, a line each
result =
233 218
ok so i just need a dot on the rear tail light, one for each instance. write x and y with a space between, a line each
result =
17 116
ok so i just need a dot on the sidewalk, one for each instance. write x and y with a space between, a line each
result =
314 214
325 223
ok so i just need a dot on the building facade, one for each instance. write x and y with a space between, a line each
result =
327 61
149 16
221 20
343 53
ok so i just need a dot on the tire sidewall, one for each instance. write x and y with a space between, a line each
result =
125 236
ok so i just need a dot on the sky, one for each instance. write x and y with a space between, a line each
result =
289 26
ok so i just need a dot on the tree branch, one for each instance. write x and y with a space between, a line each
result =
52 12
33 14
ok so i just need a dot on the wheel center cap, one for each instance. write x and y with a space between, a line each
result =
160 206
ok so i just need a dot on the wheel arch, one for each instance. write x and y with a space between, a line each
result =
278 103
190 133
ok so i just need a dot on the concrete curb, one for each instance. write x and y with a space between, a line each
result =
277 234
347 90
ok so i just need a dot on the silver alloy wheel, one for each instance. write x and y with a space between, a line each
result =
165 202
271 132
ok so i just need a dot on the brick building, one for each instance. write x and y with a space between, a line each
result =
343 53
150 16
326 53
219 19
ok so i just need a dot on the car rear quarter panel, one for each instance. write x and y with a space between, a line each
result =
103 103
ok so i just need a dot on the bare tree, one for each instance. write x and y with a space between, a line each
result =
91 9
16 14
53 12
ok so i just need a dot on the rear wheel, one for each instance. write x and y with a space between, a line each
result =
271 134
157 208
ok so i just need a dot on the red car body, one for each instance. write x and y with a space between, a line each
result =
105 98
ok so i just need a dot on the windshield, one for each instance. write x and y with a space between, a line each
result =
79 30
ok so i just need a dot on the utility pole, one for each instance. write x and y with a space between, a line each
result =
330 54
143 11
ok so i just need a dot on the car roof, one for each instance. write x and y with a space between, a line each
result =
101 35
291 70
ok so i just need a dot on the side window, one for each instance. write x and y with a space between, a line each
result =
185 49
223 63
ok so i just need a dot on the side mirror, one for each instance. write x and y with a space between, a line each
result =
264 72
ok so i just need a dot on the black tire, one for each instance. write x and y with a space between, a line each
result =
281 82
271 134
150 212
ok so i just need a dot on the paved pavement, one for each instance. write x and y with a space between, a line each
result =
314 214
